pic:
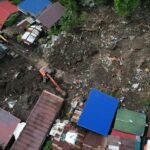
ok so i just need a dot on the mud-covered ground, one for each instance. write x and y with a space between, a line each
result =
109 53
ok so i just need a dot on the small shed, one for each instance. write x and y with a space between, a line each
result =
130 122
33 7
6 9
51 14
98 112
8 123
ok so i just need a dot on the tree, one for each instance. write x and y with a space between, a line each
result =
126 7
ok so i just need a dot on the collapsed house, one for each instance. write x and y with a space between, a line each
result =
31 34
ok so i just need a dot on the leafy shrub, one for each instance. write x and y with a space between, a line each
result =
70 18
18 38
48 145
15 1
83 16
12 19
126 7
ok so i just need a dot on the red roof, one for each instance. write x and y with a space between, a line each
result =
123 134
6 9
8 123
39 122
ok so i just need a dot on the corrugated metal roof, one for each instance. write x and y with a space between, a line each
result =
8 123
130 122
94 141
51 14
39 122
96 107
6 9
34 7
122 143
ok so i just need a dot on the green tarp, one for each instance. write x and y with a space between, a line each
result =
130 122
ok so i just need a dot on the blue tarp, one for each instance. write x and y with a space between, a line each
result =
34 7
98 113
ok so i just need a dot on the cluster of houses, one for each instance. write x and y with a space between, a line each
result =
99 123
40 14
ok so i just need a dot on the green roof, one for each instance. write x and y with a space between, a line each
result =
130 122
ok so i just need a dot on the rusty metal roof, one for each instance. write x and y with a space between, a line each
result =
39 122
121 142
8 123
93 140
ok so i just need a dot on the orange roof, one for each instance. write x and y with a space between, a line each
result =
6 9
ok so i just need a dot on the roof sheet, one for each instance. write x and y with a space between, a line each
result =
6 9
94 141
39 122
51 14
122 143
123 134
96 107
130 122
34 7
8 123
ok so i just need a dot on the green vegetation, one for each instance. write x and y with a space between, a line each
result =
15 1
11 20
70 18
48 145
18 38
146 102
126 7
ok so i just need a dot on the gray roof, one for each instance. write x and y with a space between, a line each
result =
51 14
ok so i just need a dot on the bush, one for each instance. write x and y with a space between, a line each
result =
126 7
19 38
48 145
11 20
15 1
70 18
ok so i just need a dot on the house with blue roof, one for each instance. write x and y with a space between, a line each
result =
98 113
33 7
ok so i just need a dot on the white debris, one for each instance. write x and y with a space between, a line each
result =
12 103
148 145
71 137
16 75
58 129
19 129
30 68
135 86
113 147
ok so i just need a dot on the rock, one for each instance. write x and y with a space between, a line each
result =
59 75
131 37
